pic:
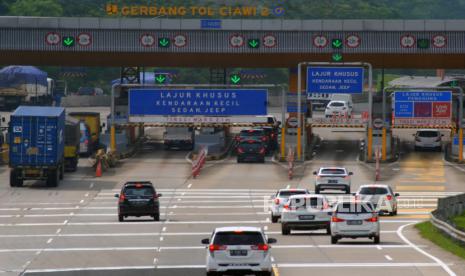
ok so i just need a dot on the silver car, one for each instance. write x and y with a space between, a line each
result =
381 196
306 212
332 178
355 219
280 199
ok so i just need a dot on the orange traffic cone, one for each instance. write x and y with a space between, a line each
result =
98 171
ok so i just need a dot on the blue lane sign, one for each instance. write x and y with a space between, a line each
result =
403 109
210 24
335 80
456 141
201 102
423 96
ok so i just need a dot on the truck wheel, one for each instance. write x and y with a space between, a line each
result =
376 240
285 230
53 178
14 181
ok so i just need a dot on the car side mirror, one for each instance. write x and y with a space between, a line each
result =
351 173
396 194
314 173
117 195
206 241
271 240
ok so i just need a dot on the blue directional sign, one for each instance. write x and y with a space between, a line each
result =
456 141
422 104
335 80
403 109
210 23
201 102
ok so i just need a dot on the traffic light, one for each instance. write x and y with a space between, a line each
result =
235 78
336 57
162 78
337 43
164 42
68 41
423 43
253 43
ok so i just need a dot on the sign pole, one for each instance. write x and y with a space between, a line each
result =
460 119
383 149
299 111
370 111
112 129
283 122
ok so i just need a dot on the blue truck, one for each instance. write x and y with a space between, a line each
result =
36 138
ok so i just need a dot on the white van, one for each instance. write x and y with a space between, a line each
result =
343 97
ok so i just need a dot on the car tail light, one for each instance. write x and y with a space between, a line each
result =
389 197
262 151
373 219
276 201
346 177
264 138
122 197
139 186
336 219
240 150
272 135
263 247
216 247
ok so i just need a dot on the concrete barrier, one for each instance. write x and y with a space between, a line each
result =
449 207
79 101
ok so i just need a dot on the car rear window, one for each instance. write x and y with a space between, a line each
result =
248 145
253 132
337 104
354 208
238 238
290 193
333 171
373 191
136 191
428 134
308 202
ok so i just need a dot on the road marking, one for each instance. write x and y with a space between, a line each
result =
91 185
161 238
420 188
265 228
388 257
58 231
288 186
50 270
163 229
155 260
86 195
189 186
332 265
437 260
26 264
379 247
82 201
65 222
50 240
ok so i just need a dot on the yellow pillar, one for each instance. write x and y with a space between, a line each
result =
113 139
299 142
384 146
460 144
283 142
369 143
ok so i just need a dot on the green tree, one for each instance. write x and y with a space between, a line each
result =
36 8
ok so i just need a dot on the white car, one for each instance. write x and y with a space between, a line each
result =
280 199
306 212
428 139
355 219
332 178
381 196
338 108
238 249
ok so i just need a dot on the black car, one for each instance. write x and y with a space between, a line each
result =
272 134
251 150
138 198
257 134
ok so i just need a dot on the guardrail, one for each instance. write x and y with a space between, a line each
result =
198 163
449 207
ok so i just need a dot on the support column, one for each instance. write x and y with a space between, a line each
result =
369 144
113 138
460 144
383 149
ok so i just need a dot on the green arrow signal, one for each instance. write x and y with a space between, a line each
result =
160 78
235 79
336 57
254 43
163 42
68 41
337 43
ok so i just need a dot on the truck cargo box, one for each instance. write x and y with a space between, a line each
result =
37 136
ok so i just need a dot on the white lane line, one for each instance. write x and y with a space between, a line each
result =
163 229
288 186
437 260
10 209
272 259
26 264
148 234
91 185
162 238
58 231
388 257
379 247
65 222
129 223
332 265
50 270
194 247
50 240
82 201
189 186
265 227
155 260
86 195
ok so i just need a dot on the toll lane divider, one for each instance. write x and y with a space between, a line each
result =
198 163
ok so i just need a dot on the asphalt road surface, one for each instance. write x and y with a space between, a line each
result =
73 229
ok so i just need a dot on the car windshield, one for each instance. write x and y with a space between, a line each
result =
373 191
337 104
350 208
238 238
138 191
332 171
428 134
290 193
